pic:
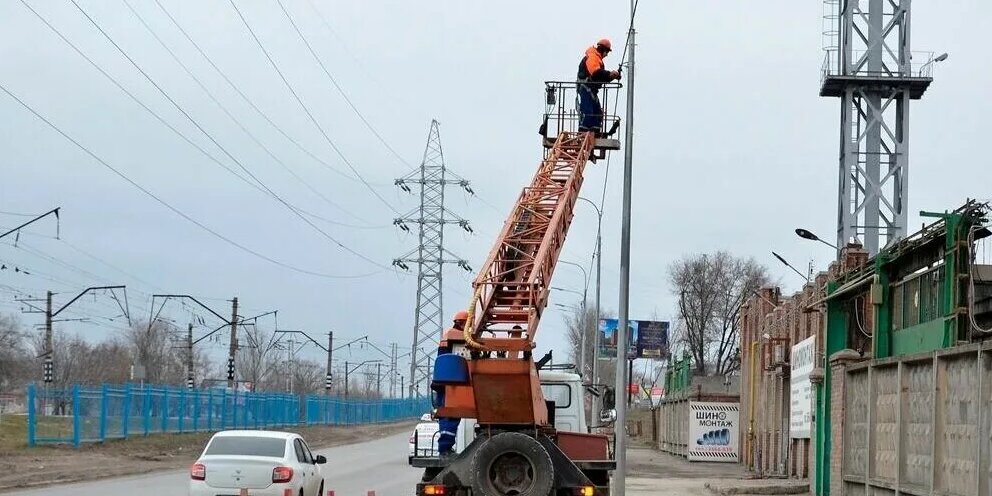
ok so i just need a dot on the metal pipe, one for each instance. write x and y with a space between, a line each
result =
620 477
750 415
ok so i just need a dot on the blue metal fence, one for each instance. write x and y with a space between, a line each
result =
83 414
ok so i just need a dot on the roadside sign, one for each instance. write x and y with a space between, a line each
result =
714 432
801 389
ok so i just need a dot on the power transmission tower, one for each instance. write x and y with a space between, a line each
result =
870 67
430 256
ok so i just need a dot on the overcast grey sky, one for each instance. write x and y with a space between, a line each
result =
733 150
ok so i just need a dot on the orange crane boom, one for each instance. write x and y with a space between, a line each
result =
512 289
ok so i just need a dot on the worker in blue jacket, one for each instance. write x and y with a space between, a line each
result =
448 426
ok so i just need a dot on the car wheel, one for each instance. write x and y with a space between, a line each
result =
321 490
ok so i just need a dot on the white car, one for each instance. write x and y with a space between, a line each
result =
257 463
423 441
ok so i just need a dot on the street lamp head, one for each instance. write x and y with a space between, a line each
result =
803 233
780 259
940 58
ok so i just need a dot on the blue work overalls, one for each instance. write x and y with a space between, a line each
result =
447 426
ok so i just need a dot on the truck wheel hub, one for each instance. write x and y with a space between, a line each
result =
511 474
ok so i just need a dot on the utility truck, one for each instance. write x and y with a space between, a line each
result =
528 434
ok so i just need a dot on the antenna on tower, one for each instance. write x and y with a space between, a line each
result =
430 256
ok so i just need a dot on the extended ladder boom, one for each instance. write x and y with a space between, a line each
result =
493 378
512 287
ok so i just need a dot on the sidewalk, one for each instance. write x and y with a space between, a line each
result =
654 473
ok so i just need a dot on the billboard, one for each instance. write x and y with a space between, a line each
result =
801 389
645 338
652 339
714 431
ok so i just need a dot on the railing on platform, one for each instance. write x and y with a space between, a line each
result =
85 414
561 114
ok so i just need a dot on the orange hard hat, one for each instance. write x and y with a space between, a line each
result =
605 43
460 315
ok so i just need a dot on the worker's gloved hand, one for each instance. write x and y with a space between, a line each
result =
615 75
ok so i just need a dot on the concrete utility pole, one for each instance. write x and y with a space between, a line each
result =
378 380
290 370
49 345
329 379
619 477
233 347
190 380
392 372
346 374
50 314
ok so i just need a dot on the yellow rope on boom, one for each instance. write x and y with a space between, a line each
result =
469 340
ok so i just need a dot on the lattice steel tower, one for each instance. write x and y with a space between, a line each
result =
870 67
430 256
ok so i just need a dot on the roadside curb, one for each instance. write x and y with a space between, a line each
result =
728 489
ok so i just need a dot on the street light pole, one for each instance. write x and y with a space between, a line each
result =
620 477
599 274
582 326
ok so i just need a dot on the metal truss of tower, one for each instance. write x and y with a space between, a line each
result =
432 178
870 67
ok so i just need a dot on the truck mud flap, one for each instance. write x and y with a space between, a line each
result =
567 475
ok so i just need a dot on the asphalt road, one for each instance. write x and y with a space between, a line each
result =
352 470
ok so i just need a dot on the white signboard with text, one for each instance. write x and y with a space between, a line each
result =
714 432
801 397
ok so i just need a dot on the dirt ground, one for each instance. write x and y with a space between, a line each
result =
20 465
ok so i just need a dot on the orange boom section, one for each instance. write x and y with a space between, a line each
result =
512 290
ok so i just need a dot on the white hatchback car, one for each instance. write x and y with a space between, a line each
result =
423 441
257 463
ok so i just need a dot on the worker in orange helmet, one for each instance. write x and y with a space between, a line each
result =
592 74
448 426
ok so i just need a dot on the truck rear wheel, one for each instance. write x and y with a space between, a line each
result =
513 464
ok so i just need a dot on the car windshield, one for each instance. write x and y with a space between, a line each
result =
247 446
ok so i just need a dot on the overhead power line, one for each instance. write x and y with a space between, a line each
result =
169 206
347 99
306 109
255 107
234 119
341 90
221 147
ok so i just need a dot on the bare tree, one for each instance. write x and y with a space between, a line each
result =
257 360
710 291
15 364
307 376
156 348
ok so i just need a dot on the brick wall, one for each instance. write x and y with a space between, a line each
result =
785 321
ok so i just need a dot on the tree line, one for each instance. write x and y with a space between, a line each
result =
160 349
709 290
